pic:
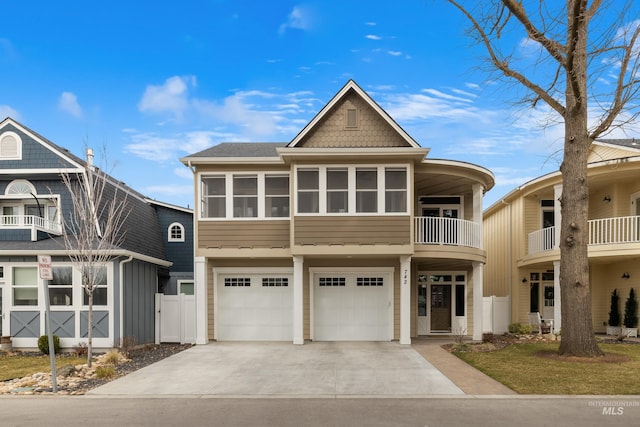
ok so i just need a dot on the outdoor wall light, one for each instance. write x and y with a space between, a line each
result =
606 199
524 280
625 275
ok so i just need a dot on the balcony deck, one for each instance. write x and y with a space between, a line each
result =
30 222
604 231
447 231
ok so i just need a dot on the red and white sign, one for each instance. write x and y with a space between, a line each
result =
44 267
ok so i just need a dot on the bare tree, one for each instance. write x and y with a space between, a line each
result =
93 229
577 43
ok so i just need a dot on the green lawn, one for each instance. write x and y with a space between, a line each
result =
521 368
20 366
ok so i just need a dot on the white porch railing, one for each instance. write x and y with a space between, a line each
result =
447 231
30 222
606 231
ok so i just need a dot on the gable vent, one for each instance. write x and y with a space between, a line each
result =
352 118
8 146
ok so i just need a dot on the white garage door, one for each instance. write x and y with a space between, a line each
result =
255 307
352 306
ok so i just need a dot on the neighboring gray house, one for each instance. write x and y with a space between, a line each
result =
33 200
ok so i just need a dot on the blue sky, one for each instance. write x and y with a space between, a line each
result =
153 81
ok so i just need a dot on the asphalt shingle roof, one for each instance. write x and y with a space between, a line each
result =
242 149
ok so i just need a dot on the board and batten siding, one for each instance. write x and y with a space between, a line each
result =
243 234
361 230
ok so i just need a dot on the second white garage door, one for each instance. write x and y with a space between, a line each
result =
254 307
353 306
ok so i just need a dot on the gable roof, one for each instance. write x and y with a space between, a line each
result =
352 87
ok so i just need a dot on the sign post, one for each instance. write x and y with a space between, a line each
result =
46 273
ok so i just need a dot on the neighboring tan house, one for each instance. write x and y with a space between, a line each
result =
33 200
521 237
345 233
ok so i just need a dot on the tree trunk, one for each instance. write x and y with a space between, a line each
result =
90 330
578 338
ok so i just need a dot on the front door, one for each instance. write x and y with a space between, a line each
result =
440 308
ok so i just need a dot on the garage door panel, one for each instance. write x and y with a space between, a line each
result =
357 310
262 311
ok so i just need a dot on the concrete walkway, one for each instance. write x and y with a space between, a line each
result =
469 379
316 369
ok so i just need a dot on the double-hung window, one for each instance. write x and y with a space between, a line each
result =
213 197
276 196
245 196
61 287
337 190
308 191
25 285
100 287
395 189
366 190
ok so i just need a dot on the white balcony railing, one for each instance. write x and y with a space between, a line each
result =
32 222
447 231
606 231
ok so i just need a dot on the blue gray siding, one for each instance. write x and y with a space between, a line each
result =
139 289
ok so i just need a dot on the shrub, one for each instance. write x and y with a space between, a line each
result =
80 349
631 310
614 314
519 329
43 344
112 358
106 371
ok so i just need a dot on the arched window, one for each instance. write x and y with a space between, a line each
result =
176 232
20 187
10 146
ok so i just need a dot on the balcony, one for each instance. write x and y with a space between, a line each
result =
447 231
606 231
30 222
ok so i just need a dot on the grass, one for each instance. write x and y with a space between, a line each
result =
522 368
20 366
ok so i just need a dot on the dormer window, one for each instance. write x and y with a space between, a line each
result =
10 146
176 232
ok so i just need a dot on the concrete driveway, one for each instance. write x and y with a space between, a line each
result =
317 369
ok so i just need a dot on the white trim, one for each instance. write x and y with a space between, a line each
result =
634 210
390 271
202 301
173 239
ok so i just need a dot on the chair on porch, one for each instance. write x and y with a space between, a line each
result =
540 325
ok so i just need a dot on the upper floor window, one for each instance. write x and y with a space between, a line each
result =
352 190
10 146
176 232
20 187
245 195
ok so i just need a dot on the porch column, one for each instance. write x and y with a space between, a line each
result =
298 300
557 312
477 300
557 213
201 293
478 191
405 300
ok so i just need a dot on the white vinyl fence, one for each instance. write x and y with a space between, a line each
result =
175 318
496 312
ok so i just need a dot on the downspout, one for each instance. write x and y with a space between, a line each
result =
121 283
510 263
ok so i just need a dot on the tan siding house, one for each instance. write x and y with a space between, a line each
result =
521 240
347 232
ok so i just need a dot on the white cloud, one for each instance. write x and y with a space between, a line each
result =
183 172
69 102
372 37
6 111
371 24
150 146
172 96
394 52
443 95
300 18
170 189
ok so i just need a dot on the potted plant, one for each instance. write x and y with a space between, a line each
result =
613 327
630 316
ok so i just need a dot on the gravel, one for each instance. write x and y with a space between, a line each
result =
139 358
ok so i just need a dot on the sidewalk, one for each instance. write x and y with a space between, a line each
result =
467 378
